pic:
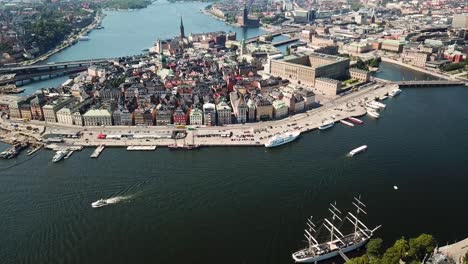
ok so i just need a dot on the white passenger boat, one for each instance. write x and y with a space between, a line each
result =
358 150
372 106
378 104
99 203
327 125
373 114
394 93
337 243
59 155
282 139
381 98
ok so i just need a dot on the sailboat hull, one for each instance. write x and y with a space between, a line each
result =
297 258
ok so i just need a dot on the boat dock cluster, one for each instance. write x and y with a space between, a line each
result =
344 109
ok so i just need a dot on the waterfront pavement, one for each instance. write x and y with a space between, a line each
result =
250 134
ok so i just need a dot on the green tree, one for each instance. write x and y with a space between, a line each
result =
420 246
396 252
359 260
374 247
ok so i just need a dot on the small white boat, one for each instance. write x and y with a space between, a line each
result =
378 104
372 106
383 97
358 150
59 155
373 114
83 38
394 93
395 187
327 125
347 123
99 203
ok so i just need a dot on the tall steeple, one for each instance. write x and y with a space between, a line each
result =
182 31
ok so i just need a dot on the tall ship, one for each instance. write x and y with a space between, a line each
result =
337 243
282 139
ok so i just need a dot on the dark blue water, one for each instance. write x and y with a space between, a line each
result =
235 205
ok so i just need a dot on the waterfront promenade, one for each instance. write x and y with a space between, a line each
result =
249 134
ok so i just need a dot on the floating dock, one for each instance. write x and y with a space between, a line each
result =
68 154
138 148
98 151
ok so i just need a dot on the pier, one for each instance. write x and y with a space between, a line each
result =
435 83
98 151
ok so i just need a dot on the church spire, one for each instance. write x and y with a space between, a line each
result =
182 31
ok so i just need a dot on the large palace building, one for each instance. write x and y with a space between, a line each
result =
305 68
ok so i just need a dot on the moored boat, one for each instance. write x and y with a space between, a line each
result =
182 147
394 93
59 155
346 123
378 104
327 125
358 150
355 120
373 114
383 97
337 242
282 139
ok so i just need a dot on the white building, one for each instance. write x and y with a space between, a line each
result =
64 116
196 117
97 117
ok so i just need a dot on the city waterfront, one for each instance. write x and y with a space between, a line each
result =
182 205
236 204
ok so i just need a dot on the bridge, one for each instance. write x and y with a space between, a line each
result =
282 42
435 83
15 74
273 34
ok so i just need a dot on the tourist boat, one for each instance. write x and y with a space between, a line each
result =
327 125
59 155
99 203
378 104
394 93
355 120
282 139
14 150
383 97
373 114
372 106
185 146
358 150
337 244
83 38
347 123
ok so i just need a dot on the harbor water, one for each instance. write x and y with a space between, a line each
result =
238 205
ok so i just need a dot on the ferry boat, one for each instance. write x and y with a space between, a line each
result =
327 125
186 147
347 123
99 203
379 104
282 139
14 150
394 93
59 155
355 120
373 114
337 244
83 38
358 150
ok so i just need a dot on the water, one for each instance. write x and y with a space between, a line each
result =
240 205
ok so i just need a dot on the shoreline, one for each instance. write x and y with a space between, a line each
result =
249 134
423 70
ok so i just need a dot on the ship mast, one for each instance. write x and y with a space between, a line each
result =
332 228
310 238
359 208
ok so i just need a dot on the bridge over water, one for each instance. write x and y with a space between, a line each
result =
429 83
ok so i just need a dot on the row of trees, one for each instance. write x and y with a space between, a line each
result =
410 251
455 66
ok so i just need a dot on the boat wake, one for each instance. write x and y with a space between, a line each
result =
118 199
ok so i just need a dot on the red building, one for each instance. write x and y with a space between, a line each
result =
179 117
